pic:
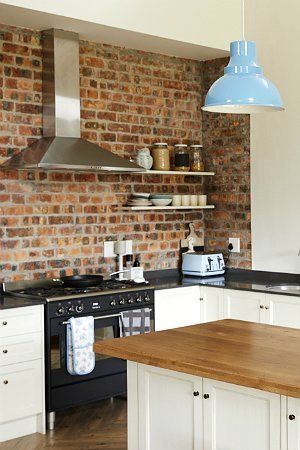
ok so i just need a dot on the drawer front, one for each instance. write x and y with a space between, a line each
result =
17 349
17 321
21 390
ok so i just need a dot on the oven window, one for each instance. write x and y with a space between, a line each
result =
55 353
101 334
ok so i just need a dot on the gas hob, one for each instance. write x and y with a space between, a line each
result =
54 290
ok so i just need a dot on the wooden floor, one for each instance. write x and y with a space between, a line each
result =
97 426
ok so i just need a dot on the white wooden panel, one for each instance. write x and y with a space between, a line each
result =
212 304
24 347
169 413
244 305
240 418
17 321
293 426
21 390
283 310
177 307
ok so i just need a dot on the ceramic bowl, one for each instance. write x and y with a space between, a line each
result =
161 201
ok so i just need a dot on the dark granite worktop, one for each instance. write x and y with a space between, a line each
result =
239 279
9 302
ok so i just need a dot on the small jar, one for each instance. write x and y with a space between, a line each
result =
197 164
181 157
161 156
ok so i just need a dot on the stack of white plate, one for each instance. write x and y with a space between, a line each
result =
140 199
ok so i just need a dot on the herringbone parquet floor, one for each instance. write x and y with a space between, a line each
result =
99 426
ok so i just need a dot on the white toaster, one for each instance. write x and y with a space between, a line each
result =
201 265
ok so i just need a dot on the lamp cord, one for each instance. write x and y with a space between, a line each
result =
243 20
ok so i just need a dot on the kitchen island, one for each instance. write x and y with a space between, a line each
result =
225 385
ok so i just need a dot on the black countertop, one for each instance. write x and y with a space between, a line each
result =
239 279
9 302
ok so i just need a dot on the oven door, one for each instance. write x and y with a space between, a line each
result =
106 327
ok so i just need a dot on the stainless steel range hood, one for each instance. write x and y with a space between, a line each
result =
61 147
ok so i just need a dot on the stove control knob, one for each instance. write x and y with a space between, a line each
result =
130 301
113 303
122 302
70 309
139 299
60 311
79 308
147 298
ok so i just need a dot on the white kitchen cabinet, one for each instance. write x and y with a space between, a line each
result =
244 305
292 416
211 304
236 417
283 310
177 307
22 398
170 410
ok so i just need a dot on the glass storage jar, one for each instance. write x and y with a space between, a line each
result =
161 156
197 164
181 157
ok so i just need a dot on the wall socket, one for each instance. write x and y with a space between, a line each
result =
109 248
235 242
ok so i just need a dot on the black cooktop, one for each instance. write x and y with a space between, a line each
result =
59 290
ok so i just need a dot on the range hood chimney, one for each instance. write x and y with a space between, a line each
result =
61 147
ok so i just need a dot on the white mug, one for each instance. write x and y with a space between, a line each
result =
185 200
202 200
176 200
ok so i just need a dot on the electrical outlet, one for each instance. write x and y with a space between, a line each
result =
235 244
109 249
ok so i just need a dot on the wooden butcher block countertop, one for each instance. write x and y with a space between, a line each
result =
244 353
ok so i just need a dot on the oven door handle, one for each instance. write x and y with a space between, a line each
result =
101 317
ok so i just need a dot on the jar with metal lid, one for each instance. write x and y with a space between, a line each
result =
161 156
197 164
181 157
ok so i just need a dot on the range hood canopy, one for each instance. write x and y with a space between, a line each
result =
61 147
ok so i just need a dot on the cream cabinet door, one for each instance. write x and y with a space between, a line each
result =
177 307
283 310
293 423
240 418
211 304
170 410
21 390
244 305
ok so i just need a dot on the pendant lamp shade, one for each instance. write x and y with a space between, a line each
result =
243 89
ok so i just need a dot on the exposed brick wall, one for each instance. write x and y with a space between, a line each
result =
55 223
226 140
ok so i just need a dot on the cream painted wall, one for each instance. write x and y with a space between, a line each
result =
275 138
209 23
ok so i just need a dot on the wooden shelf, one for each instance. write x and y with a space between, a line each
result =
168 208
175 172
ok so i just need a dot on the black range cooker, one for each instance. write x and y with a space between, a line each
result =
104 301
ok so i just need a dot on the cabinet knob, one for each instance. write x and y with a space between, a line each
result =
5 351
5 381
266 307
206 396
261 306
4 322
201 299
292 417
196 393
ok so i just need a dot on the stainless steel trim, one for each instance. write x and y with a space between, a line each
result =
106 317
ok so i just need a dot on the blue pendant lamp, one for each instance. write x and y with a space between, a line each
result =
243 89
